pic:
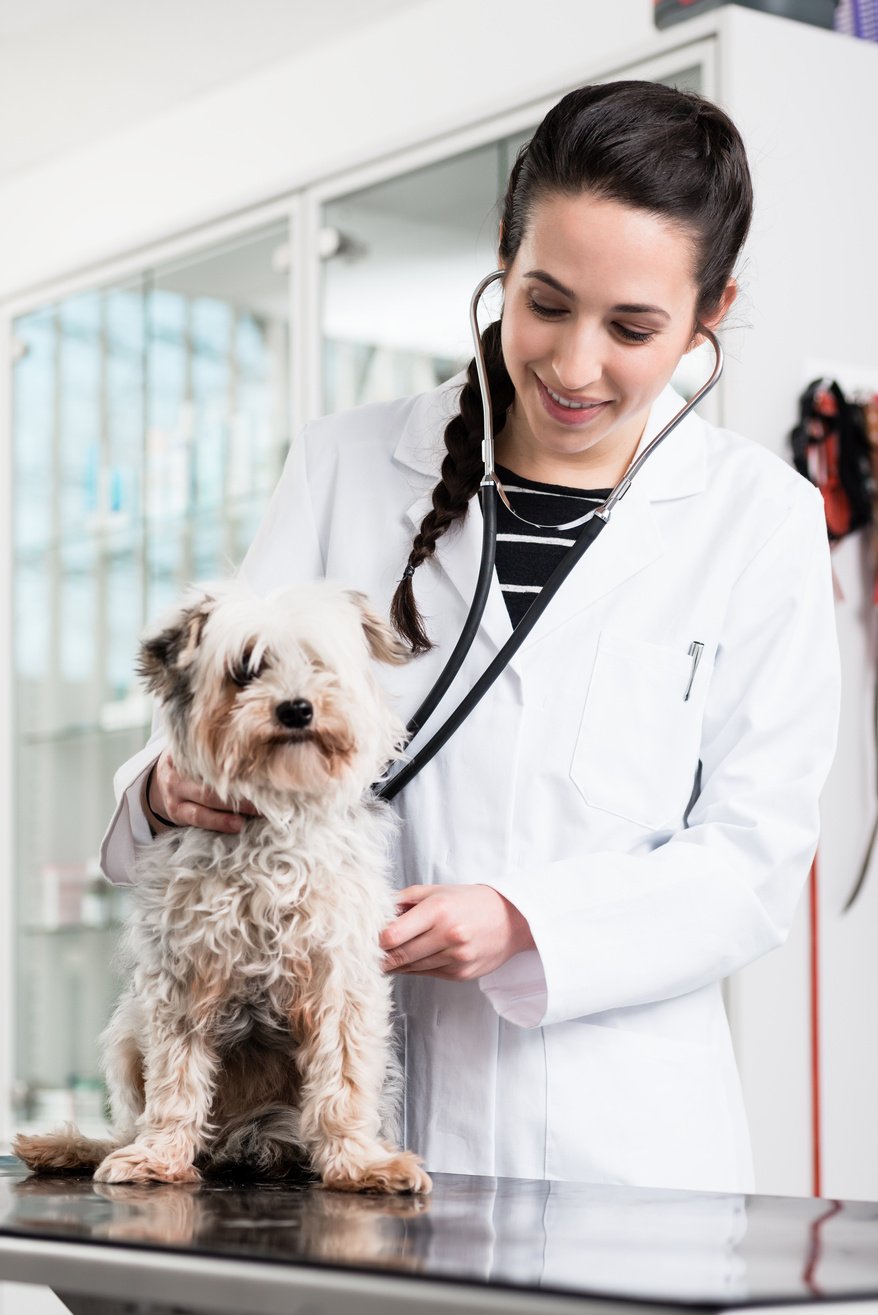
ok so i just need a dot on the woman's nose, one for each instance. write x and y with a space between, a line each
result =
577 362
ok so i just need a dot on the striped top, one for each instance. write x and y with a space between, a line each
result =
527 556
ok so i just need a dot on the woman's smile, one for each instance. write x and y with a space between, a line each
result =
567 411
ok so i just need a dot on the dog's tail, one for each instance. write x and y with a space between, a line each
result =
265 1141
63 1151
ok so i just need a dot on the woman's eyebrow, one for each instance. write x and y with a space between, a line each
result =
627 308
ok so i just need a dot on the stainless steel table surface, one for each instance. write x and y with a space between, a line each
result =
474 1244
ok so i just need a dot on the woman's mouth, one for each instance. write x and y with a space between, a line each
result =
567 412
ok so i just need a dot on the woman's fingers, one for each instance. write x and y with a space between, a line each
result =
186 802
190 813
457 932
416 919
202 794
428 935
413 895
429 945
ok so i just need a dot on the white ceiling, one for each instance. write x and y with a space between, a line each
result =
72 71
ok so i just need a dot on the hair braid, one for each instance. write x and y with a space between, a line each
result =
460 478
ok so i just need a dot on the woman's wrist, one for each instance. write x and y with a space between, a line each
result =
157 821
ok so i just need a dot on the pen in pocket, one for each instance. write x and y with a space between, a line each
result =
695 651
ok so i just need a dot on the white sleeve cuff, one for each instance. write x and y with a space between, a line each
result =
517 989
136 816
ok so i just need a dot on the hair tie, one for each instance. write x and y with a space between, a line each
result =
408 572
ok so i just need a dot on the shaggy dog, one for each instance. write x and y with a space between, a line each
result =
256 1030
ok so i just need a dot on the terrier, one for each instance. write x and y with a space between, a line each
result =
256 1031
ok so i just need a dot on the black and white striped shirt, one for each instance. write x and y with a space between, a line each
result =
526 556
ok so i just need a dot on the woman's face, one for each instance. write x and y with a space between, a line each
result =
598 307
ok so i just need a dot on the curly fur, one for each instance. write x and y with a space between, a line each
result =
256 1029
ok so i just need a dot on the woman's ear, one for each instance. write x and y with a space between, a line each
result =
716 316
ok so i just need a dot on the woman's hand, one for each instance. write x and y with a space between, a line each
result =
454 932
189 803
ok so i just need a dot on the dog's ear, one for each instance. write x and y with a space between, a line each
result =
384 643
164 657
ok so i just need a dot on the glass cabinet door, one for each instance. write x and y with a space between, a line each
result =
401 260
150 423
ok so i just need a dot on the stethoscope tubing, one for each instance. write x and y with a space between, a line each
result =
594 523
473 617
585 538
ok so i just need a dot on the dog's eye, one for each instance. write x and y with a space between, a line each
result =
242 673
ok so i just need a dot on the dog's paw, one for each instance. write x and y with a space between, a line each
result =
401 1171
140 1163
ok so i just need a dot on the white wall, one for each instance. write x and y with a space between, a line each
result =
415 74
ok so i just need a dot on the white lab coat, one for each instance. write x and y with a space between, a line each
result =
654 844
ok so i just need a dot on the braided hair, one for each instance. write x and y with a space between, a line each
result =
672 153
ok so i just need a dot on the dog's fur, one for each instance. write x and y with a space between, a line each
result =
256 1030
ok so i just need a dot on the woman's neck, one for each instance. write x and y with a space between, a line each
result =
593 468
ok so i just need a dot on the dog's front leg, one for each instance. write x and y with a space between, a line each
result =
342 1029
180 1065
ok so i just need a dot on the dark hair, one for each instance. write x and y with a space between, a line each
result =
670 152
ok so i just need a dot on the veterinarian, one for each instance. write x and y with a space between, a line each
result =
630 814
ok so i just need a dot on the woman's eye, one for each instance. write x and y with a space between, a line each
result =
552 312
632 336
547 312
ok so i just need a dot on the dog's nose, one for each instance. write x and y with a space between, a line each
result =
295 713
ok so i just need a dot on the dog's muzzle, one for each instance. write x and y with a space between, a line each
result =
295 714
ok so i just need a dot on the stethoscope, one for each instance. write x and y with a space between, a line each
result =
592 524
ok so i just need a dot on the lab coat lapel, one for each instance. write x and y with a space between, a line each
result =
629 541
632 538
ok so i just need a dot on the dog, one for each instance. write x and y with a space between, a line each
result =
257 1028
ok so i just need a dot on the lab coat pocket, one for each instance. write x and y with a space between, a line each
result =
636 753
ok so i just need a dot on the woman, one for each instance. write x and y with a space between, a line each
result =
630 814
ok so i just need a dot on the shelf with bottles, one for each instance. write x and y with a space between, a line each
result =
82 1102
124 716
64 795
70 899
67 985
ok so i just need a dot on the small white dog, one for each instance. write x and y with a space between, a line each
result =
257 1026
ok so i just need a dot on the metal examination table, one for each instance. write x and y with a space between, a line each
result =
475 1244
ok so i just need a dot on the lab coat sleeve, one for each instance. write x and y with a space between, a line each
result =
284 550
615 929
128 827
